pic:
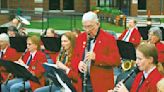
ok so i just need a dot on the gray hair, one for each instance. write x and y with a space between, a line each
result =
90 16
4 37
156 31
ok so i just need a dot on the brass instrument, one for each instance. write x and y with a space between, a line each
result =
127 65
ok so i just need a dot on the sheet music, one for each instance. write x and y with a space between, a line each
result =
53 65
66 88
22 64
64 85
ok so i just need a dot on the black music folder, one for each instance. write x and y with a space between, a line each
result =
52 43
18 70
56 74
3 29
126 50
19 43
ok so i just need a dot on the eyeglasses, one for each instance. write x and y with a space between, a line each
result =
89 27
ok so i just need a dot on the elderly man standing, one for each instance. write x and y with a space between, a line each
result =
97 53
132 34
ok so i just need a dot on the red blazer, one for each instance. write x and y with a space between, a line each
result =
11 55
160 49
37 68
149 84
107 56
135 36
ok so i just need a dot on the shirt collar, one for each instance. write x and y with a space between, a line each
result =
147 74
33 53
4 50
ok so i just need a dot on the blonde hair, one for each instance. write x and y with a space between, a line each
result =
35 40
160 85
149 50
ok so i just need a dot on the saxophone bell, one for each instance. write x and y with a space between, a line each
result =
127 65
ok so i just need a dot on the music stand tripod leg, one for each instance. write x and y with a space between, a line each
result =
50 88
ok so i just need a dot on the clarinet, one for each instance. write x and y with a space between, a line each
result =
85 81
60 54
85 73
130 74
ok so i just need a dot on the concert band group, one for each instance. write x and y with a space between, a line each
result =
88 59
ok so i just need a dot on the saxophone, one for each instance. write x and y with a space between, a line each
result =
127 65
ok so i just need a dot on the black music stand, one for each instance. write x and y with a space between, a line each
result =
52 43
51 73
19 43
162 29
144 31
3 29
126 50
18 71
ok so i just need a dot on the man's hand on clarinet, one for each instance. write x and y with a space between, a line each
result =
82 67
90 56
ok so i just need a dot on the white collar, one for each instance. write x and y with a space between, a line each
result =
147 74
33 53
4 50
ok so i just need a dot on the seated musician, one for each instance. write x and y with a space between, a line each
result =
50 32
12 31
132 34
18 23
64 62
33 60
6 53
155 37
146 80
